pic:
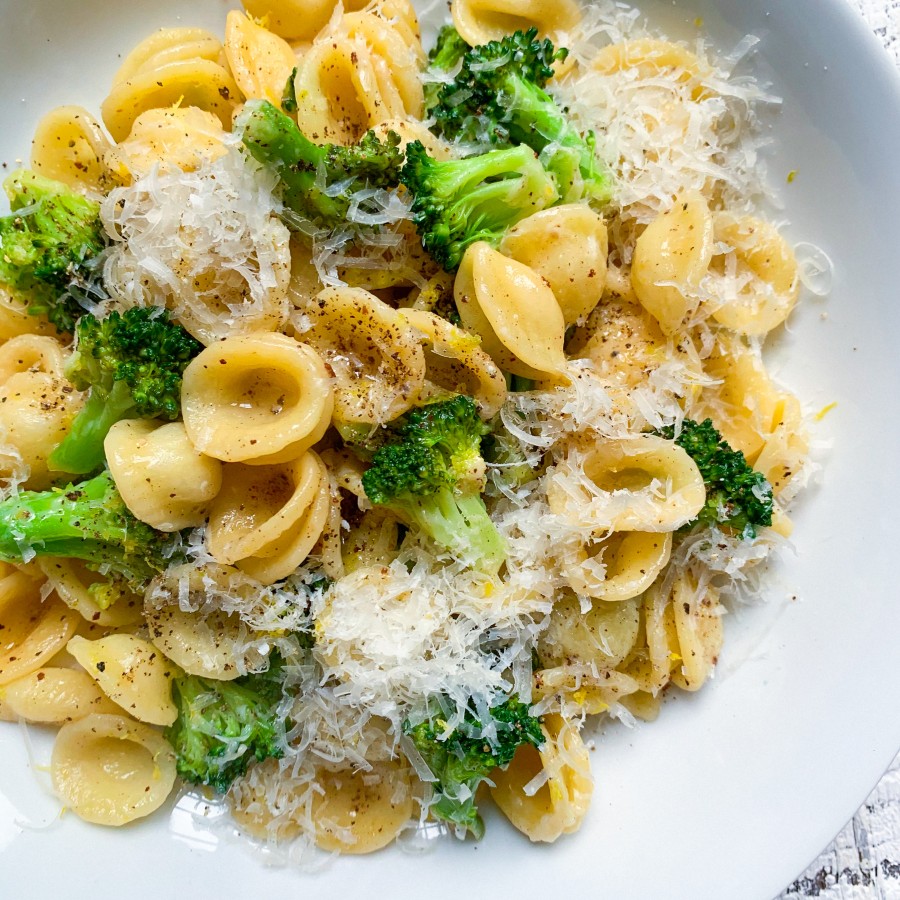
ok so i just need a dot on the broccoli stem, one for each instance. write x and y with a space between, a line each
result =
274 139
81 452
87 521
461 523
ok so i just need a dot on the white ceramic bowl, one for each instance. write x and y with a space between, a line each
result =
734 790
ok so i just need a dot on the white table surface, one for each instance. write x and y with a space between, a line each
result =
864 861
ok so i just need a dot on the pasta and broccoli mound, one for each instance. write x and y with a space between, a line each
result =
372 421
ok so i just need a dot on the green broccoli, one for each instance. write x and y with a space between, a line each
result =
444 56
133 365
464 758
45 243
223 725
87 521
737 497
460 201
431 473
317 180
499 97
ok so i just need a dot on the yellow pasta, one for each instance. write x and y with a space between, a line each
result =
764 270
266 519
34 629
601 636
362 811
163 480
260 399
684 633
15 319
480 21
670 258
77 587
557 806
356 75
175 66
130 671
643 484
455 362
37 406
207 645
54 696
514 312
297 19
111 770
376 359
566 245
181 137
619 567
69 146
260 61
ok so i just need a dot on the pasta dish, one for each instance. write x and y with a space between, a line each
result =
376 421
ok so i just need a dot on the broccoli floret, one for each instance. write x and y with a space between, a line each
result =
132 364
431 473
45 242
317 180
463 759
444 56
87 521
737 497
223 725
499 97
458 202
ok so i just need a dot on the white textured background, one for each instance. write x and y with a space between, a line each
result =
864 862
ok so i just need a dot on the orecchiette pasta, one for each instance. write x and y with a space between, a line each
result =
480 21
648 57
266 519
684 633
175 66
131 672
69 146
644 484
163 480
559 804
73 584
356 75
37 406
260 61
112 770
207 645
375 356
181 137
362 811
297 19
34 629
671 257
372 542
601 636
514 312
754 416
260 399
455 362
53 696
619 567
760 272
566 245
